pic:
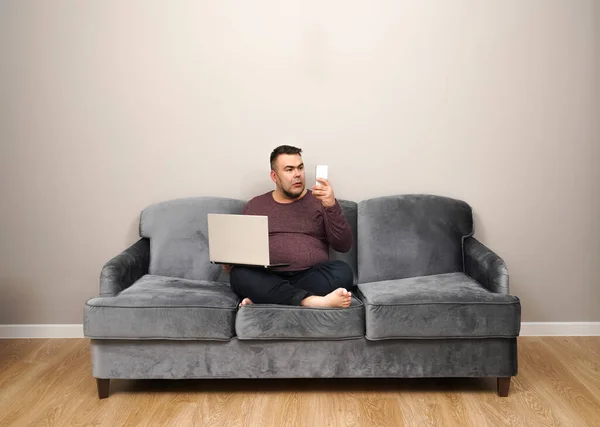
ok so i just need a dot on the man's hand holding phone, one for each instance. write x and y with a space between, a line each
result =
322 190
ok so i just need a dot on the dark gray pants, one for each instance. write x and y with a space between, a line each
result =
290 287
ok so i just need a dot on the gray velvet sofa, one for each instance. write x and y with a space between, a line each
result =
430 301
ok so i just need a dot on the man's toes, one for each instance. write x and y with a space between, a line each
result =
245 301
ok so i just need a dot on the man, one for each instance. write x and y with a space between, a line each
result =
302 225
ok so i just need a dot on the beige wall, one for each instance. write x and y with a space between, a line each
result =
109 106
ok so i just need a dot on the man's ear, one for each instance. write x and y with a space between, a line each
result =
273 176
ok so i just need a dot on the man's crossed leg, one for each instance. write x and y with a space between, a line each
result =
323 285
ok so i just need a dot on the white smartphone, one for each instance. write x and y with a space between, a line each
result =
320 172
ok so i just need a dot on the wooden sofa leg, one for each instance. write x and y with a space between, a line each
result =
503 386
103 387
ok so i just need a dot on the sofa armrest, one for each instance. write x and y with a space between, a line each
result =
483 265
120 272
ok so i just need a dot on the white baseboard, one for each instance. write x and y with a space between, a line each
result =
528 329
41 331
558 329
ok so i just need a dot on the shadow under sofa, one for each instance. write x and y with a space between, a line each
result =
430 301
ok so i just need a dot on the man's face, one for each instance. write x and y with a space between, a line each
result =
288 175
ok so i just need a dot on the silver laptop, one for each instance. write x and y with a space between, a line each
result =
239 240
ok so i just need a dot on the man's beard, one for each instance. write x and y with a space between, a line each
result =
292 195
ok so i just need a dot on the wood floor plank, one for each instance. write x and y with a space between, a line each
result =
23 372
577 358
530 406
55 360
48 382
376 407
14 349
572 402
15 360
453 408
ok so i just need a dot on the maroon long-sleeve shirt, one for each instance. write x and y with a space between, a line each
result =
300 232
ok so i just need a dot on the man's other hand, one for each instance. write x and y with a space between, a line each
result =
324 192
227 267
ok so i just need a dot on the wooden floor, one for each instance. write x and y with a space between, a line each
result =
48 382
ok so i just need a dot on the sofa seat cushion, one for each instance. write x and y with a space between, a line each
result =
157 307
449 305
285 322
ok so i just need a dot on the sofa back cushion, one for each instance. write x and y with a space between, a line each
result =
178 233
411 235
350 210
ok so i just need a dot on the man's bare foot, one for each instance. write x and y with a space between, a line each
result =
338 298
246 301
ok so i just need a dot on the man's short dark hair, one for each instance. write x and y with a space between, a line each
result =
283 149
